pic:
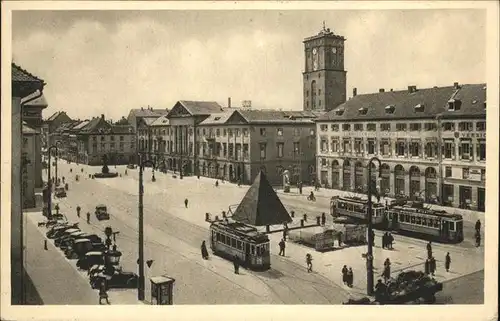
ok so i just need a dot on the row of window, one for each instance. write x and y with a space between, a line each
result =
447 126
404 148
260 250
111 137
225 132
112 146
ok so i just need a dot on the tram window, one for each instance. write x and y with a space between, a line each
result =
431 222
233 242
412 220
418 220
223 238
401 218
407 218
452 226
436 223
424 221
252 249
218 237
258 250
238 245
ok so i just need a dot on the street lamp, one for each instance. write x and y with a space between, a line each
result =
369 256
57 154
49 201
140 285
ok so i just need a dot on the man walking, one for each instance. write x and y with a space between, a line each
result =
429 250
236 264
478 226
88 217
282 247
309 262
103 294
78 209
323 219
186 203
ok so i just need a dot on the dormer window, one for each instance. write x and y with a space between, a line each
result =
363 110
419 108
390 109
339 111
453 104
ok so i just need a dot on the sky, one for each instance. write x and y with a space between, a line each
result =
108 62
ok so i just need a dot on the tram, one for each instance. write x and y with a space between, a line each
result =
417 220
403 217
228 239
357 208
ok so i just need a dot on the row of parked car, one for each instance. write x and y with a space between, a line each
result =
90 252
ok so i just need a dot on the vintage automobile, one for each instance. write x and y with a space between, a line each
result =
55 231
60 192
120 279
70 240
90 259
56 219
131 166
101 212
58 240
78 249
93 238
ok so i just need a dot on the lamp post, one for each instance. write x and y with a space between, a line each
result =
140 285
369 256
57 155
49 183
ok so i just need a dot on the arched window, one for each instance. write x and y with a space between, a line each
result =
313 94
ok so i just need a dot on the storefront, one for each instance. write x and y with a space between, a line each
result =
448 194
465 196
430 185
335 174
414 182
359 181
481 197
399 180
346 183
385 180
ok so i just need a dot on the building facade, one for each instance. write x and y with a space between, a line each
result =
162 139
30 152
431 143
237 144
52 124
324 77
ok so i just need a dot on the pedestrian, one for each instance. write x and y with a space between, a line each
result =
350 277
380 291
309 262
387 270
63 179
384 240
78 209
478 239
82 170
447 262
427 266
88 217
103 294
126 172
217 183
71 170
323 219
282 247
429 250
204 252
432 265
198 176
236 264
285 232
344 274
391 240
186 203
300 187
339 238
478 226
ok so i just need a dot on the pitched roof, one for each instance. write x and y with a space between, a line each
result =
81 125
472 98
201 107
161 121
37 102
21 75
218 118
261 205
277 116
148 112
28 130
148 120
55 115
403 103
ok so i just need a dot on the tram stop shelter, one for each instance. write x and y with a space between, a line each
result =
261 205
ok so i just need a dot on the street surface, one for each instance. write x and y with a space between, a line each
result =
173 235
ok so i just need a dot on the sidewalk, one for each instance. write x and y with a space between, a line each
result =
57 279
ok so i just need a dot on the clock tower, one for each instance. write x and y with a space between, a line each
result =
324 77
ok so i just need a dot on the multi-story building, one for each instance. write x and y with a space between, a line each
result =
97 138
30 151
140 120
161 140
431 143
24 85
184 119
51 124
238 143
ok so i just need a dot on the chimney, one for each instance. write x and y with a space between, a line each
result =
381 90
228 102
456 85
354 92
102 116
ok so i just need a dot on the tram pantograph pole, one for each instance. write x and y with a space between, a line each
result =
369 256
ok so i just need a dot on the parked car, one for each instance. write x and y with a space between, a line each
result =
90 259
120 279
93 238
78 249
69 241
60 192
64 235
131 166
101 212
59 228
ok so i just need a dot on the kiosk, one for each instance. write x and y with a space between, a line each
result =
162 290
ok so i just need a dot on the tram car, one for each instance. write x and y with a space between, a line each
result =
416 220
357 209
228 239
